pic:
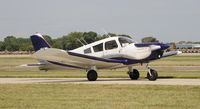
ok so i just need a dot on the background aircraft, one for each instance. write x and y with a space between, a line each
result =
109 53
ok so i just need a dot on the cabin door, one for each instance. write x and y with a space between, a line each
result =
111 49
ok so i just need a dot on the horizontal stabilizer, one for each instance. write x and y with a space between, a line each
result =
32 65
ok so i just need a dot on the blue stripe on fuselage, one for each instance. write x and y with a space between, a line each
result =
65 65
146 44
126 61
97 58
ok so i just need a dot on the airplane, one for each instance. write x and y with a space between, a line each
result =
109 53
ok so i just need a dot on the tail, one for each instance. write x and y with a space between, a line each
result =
39 42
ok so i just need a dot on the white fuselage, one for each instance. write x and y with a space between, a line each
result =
114 47
109 48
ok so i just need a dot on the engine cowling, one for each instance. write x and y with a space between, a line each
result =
136 53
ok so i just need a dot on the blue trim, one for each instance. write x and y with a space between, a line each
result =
128 61
146 44
38 42
65 65
97 58
125 61
154 55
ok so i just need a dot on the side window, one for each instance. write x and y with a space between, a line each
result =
111 45
98 47
88 50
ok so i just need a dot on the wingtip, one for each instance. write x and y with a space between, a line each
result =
179 52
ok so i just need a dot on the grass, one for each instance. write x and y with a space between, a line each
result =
193 60
15 61
64 96
189 67
79 96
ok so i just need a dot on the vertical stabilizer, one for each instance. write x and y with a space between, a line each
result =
39 42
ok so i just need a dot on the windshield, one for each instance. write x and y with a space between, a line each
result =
125 41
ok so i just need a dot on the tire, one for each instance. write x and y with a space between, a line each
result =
153 76
134 75
92 75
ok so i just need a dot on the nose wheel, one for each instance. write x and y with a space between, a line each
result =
152 74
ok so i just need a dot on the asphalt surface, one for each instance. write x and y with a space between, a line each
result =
194 82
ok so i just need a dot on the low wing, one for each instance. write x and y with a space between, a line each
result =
74 60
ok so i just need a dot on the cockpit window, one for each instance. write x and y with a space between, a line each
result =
125 41
111 45
98 47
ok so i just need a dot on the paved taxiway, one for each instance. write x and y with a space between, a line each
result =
195 82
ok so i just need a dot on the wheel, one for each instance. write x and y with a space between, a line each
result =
134 75
153 75
92 75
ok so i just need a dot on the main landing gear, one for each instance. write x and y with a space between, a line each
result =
92 75
134 75
152 74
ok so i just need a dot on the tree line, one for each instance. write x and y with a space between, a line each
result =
67 42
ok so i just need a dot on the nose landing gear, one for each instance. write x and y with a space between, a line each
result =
152 74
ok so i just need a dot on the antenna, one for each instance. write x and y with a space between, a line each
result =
106 32
84 41
80 42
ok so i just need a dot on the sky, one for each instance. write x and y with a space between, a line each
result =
167 20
